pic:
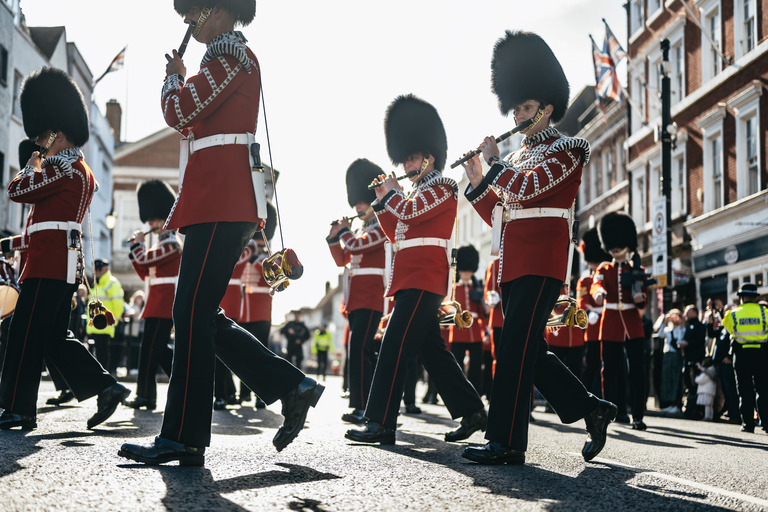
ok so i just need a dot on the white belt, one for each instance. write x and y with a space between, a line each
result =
597 310
57 225
420 242
163 280
221 139
235 282
620 306
366 272
535 213
257 289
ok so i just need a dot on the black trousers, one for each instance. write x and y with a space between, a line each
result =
223 383
40 330
203 333
414 330
487 382
154 352
108 351
522 361
322 362
260 331
295 352
362 354
614 383
751 366
592 368
475 370
411 379
572 357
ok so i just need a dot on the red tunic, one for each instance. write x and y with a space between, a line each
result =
222 98
474 334
61 191
492 285
587 303
565 337
428 211
257 302
363 249
158 268
616 324
544 172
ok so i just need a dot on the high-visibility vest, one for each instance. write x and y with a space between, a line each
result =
747 324
110 293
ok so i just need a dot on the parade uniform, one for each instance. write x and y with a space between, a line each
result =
748 326
492 296
362 254
567 343
60 193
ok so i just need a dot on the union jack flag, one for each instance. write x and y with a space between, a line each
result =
612 45
117 63
606 78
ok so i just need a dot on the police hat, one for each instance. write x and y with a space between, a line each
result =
524 68
26 148
617 230
101 262
244 10
413 126
467 258
591 249
359 175
51 100
748 289
156 199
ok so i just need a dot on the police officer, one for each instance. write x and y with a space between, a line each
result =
110 292
748 326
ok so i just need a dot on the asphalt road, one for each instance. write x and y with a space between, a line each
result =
675 465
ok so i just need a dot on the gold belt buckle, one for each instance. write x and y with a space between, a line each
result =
620 306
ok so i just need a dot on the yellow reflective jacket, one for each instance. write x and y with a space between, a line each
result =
748 323
322 341
110 292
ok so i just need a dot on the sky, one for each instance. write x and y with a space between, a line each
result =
329 71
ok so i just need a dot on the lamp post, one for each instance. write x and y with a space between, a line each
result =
667 133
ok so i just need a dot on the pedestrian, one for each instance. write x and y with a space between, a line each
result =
218 209
61 187
723 360
672 363
706 382
322 345
361 253
537 186
296 333
419 225
108 290
694 347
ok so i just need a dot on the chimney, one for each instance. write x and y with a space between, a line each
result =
114 117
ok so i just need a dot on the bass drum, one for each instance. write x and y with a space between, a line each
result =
9 289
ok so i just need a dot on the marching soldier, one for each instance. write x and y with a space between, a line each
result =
748 328
159 269
362 254
60 188
218 108
495 322
538 185
419 225
621 327
468 293
593 255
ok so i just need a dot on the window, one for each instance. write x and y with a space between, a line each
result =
620 161
592 181
3 66
716 166
677 80
679 202
745 26
654 182
636 16
654 87
605 156
638 98
639 198
17 79
752 170
710 39
711 125
746 108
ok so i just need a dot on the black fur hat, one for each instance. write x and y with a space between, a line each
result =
359 175
591 249
524 68
413 126
26 148
156 199
617 230
51 100
244 10
467 258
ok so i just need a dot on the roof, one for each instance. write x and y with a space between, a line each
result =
46 38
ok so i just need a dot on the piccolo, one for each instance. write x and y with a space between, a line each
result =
376 183
148 232
472 154
358 216
185 41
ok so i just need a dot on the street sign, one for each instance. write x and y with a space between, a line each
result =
659 239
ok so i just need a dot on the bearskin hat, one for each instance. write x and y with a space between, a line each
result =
413 126
26 148
51 100
359 175
156 199
467 258
591 249
617 230
524 68
244 10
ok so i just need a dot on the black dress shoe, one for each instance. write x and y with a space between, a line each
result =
412 409
64 397
260 404
11 420
356 417
142 403
639 425
219 404
233 400
107 402
494 453
372 433
469 425
622 418
244 398
296 404
597 425
162 451
748 428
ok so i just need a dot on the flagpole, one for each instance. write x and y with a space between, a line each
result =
127 88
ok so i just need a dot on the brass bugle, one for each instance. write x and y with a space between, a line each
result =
185 41
376 183
567 314
148 232
450 313
522 126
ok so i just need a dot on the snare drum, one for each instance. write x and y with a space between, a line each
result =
9 289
